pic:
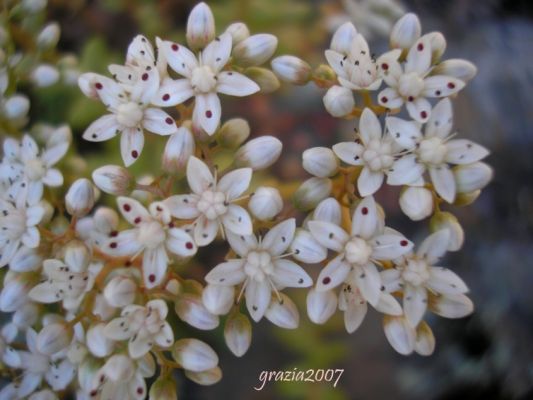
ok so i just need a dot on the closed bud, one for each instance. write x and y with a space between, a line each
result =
405 32
321 305
218 299
194 355
191 309
45 75
291 69
233 133
255 50
312 192
200 26
456 68
49 36
283 313
163 388
343 38
205 378
446 220
238 31
180 146
238 333
437 41
471 177
99 345
60 135
339 101
114 180
416 203
77 256
79 199
320 162
120 291
16 107
265 203
54 337
259 153
119 368
268 82
173 286
14 293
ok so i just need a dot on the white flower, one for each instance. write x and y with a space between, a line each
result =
355 67
211 203
262 267
373 150
153 235
417 275
203 79
414 83
143 327
432 151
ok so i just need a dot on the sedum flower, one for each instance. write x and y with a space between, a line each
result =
211 203
339 101
291 69
261 268
320 162
154 235
259 153
200 26
143 327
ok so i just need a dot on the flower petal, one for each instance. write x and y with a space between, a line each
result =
241 244
279 238
139 345
237 220
199 176
445 281
146 87
44 293
172 92
349 152
321 305
205 230
55 153
369 282
118 329
444 182
405 133
216 54
369 126
258 295
440 122
419 57
354 315
405 171
31 238
283 313
183 206
400 334
228 273
235 183
419 109
289 274
109 91
180 242
179 58
333 274
434 246
207 111
441 86
155 262
104 128
389 247
133 211
159 122
390 98
165 337
235 84
388 304
463 151
415 300
124 244
365 218
306 249
53 178
369 181
452 306
131 145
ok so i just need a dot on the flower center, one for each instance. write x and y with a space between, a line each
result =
377 155
258 265
415 272
357 251
212 204
432 151
411 85
151 234
129 114
203 79
35 169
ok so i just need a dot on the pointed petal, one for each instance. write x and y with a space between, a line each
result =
199 176
109 91
159 122
228 273
140 52
53 178
389 247
388 304
118 329
133 211
241 244
258 297
440 122
405 171
400 334
205 230
155 263
289 274
336 62
444 182
235 84
165 337
415 302
207 111
419 57
104 128
146 87
349 152
179 58
172 92
419 109
55 153
183 206
180 243
124 244
31 238
321 305
445 281
405 133
369 282
216 54
131 145
365 219
441 86
283 313
425 341
463 151
306 249
235 183
390 98
139 345
237 220
434 246
279 238
369 126
329 235
44 293
333 274
354 315
369 182
452 306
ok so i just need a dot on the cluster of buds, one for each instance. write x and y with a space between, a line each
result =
95 291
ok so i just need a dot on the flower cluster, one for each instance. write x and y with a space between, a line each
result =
95 292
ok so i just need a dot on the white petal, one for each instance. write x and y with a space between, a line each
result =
419 56
321 305
109 91
180 243
238 333
425 341
388 304
419 109
104 128
349 152
329 235
191 309
283 313
343 37
172 92
336 62
60 375
369 282
405 171
415 300
365 219
131 145
452 306
463 151
159 122
140 52
328 210
133 211
306 249
183 206
289 274
333 274
354 315
207 111
434 246
199 176
258 297
389 247
118 329
31 238
55 153
369 126
179 58
146 87
237 220
155 263
139 345
391 280
124 244
440 122
390 98
369 182
444 182
44 293
53 178
445 281
442 86
400 334
165 337
279 238
241 244
235 183
235 84
228 273
218 299
217 53
405 133
205 231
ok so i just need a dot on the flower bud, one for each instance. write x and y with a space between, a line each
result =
163 389
283 313
45 75
416 203
343 38
16 107
339 101
321 305
54 337
191 309
105 220
437 41
49 36
405 32
79 199
114 180
446 220
218 299
320 162
312 192
456 68
200 26
180 146
265 203
77 256
291 69
99 345
255 50
120 291
205 378
194 355
34 6
472 177
259 153
268 82
119 368
238 333
14 293
233 133
238 32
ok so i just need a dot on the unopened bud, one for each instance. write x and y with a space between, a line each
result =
238 31
14 293
238 333
205 378
416 203
255 50
54 338
163 388
259 153
114 180
233 133
446 220
180 146
312 192
320 162
339 101
194 355
266 79
16 106
265 203
99 345
190 308
45 75
425 340
77 256
49 36
471 177
119 368
80 198
120 291
465 199
405 32
200 26
218 299
291 69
